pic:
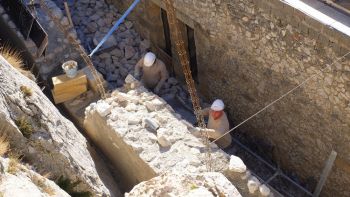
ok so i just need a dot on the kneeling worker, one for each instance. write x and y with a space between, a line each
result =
154 72
218 123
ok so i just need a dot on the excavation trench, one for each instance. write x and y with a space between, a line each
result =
141 134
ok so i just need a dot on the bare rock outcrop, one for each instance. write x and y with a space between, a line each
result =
48 141
19 181
211 184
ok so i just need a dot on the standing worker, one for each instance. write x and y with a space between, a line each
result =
154 72
217 124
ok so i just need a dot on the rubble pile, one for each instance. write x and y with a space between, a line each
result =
210 184
120 53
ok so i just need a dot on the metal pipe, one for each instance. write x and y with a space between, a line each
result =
104 39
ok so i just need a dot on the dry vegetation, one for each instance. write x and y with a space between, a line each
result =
40 182
13 166
4 145
14 58
27 91
24 126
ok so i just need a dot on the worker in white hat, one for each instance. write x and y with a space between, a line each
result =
154 72
217 124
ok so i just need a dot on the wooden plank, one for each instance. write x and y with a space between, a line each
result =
69 94
62 82
68 13
69 90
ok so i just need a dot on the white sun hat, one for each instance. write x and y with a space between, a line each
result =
218 105
149 59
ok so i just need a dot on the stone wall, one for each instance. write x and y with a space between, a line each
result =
258 50
144 138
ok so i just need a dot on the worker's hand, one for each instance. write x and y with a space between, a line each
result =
196 131
208 130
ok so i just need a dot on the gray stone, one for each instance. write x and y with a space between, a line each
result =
123 72
111 41
151 124
117 53
95 17
112 77
101 22
92 27
129 52
103 108
237 165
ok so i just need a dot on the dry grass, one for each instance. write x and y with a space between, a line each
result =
14 58
4 145
24 126
13 166
40 182
27 91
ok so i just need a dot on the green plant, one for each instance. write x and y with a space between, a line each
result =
25 127
69 186
27 91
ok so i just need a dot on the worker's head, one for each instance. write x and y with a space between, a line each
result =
217 109
149 59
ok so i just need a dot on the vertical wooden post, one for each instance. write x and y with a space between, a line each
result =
68 13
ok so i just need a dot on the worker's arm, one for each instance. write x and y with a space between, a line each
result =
204 112
138 68
164 75
213 134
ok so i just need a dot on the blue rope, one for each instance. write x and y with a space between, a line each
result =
133 5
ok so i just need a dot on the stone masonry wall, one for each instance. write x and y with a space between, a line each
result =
144 137
249 53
